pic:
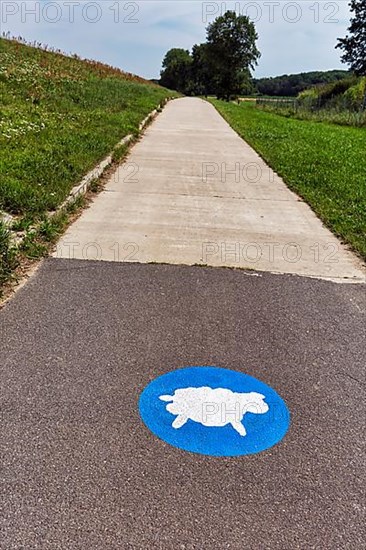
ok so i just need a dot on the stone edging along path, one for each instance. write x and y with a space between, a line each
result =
83 186
78 190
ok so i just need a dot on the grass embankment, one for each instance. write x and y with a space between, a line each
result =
59 116
324 163
331 116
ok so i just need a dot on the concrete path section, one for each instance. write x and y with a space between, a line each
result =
193 192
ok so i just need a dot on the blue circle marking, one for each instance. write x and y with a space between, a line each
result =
214 411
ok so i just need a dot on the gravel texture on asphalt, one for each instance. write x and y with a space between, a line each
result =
79 468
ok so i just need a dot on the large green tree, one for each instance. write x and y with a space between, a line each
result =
176 71
232 50
354 44
201 70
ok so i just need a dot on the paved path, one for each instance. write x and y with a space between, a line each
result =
82 339
80 470
193 192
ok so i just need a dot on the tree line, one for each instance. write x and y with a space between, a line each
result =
222 65
293 84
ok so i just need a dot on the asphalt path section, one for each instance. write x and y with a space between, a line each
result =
80 470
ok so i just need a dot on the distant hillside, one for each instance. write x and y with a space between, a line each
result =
293 84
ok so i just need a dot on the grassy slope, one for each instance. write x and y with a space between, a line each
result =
343 117
59 116
324 163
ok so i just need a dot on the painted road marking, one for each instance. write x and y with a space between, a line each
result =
209 406
214 411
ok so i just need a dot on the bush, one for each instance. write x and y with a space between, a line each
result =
346 94
308 98
7 254
334 89
355 94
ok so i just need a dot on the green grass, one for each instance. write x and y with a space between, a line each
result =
324 163
339 102
343 117
59 116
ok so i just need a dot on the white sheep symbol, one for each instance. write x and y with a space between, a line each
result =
213 407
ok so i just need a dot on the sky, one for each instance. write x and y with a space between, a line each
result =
134 35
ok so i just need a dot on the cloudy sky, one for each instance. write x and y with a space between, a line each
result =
135 35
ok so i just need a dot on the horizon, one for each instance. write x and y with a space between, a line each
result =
51 49
151 28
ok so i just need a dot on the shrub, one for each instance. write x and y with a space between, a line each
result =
355 94
335 89
308 98
346 94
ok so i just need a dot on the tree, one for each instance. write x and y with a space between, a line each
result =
354 45
201 70
232 51
176 70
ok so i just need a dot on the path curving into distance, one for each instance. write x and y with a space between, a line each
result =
193 192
